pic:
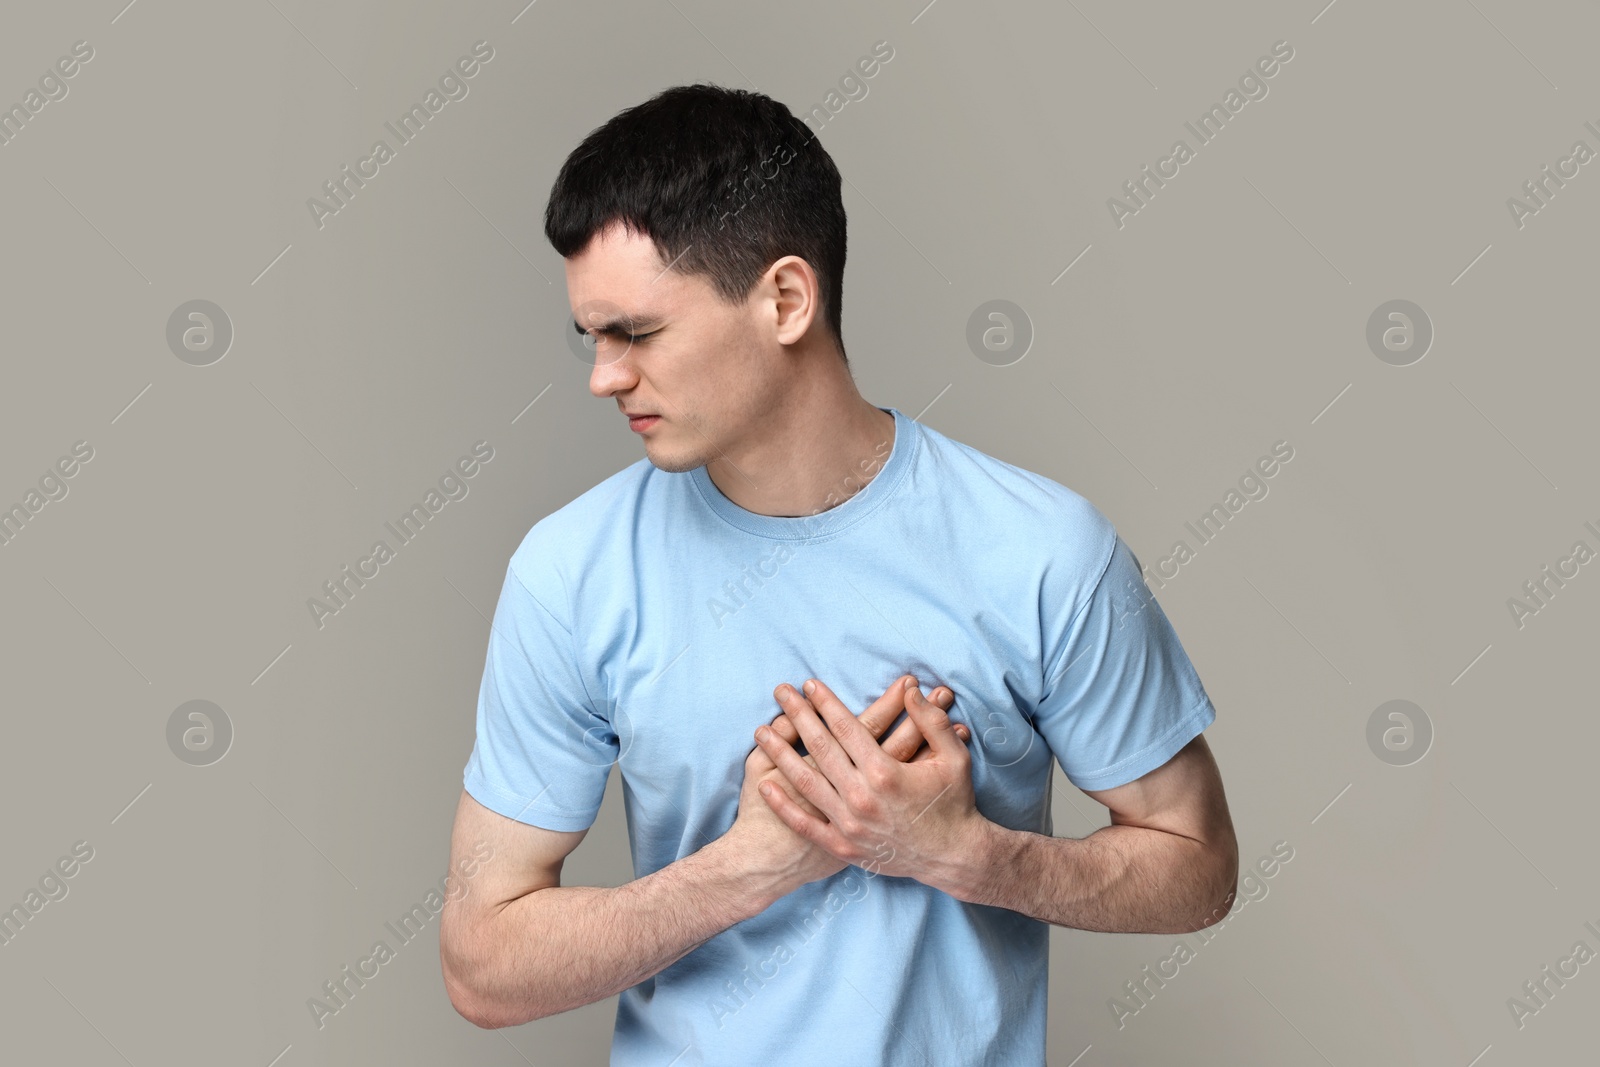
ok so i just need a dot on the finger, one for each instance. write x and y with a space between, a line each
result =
936 726
813 829
811 781
757 763
927 753
904 740
850 737
784 728
882 712
826 738
805 805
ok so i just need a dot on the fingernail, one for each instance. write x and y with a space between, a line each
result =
811 687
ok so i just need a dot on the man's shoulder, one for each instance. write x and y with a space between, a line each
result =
1014 498
578 529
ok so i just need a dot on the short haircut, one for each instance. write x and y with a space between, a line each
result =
724 181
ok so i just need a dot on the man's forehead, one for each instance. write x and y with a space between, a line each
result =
619 280
603 316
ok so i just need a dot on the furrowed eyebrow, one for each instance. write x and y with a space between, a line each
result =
625 324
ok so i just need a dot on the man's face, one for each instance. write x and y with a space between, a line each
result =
700 364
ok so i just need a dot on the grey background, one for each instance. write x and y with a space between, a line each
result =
369 354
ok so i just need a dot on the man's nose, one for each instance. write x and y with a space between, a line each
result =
612 370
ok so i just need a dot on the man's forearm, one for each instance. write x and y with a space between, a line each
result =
562 947
1119 879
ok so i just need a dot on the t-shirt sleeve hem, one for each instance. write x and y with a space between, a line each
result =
1152 755
516 808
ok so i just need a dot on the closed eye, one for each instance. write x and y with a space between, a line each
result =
631 338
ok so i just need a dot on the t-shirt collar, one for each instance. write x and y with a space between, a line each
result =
824 524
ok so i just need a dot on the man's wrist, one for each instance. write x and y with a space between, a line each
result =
985 853
748 891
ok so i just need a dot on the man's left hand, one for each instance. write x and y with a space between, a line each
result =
915 820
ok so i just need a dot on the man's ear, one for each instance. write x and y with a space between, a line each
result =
796 297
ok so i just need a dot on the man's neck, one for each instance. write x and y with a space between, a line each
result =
808 459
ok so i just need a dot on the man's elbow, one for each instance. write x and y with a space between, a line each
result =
485 1012
1221 889
468 1001
483 1015
469 1012
465 1003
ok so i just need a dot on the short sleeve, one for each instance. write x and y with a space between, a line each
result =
1121 696
542 753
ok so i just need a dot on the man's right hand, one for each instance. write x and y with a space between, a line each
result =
780 859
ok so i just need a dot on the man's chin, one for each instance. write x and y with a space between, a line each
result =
672 463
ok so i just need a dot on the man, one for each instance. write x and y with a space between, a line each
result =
881 904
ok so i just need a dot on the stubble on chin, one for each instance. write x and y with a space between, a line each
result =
699 451
674 462
676 465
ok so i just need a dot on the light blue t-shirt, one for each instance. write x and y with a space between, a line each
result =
647 623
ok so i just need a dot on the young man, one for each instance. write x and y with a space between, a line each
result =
881 905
